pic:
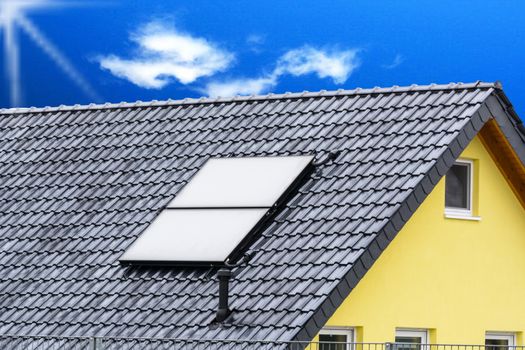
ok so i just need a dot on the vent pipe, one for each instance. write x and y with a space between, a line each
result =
224 274
223 310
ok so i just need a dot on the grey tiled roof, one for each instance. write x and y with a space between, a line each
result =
79 184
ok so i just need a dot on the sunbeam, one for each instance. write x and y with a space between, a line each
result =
11 53
12 16
55 54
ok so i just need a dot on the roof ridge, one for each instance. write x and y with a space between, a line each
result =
265 97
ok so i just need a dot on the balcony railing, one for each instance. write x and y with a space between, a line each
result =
17 342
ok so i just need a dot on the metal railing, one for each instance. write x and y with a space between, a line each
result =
18 342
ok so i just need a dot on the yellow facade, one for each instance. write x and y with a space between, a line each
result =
454 277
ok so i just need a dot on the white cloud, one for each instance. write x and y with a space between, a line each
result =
255 39
240 87
397 61
255 42
164 54
335 64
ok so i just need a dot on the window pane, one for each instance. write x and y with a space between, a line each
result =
496 344
457 187
193 235
408 343
332 342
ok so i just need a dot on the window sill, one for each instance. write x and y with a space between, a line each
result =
462 217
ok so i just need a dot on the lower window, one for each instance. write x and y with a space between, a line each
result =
410 339
499 341
336 339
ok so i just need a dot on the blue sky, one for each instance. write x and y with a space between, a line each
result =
144 50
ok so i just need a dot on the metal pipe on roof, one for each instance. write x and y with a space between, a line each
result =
224 274
223 311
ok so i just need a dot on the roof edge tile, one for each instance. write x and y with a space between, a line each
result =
235 99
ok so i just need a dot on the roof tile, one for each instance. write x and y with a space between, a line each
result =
80 183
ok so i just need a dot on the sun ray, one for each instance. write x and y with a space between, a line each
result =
11 52
11 17
54 53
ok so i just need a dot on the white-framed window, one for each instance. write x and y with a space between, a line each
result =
459 188
336 338
500 340
411 339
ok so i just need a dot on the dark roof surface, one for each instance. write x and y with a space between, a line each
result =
80 183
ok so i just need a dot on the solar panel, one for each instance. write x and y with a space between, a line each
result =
218 211
241 182
193 235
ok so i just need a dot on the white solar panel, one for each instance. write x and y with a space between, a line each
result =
193 235
216 210
241 182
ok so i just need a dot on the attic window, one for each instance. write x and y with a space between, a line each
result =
458 188
218 211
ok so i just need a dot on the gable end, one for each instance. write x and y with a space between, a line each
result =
495 113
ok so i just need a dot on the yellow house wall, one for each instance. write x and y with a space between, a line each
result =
455 277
